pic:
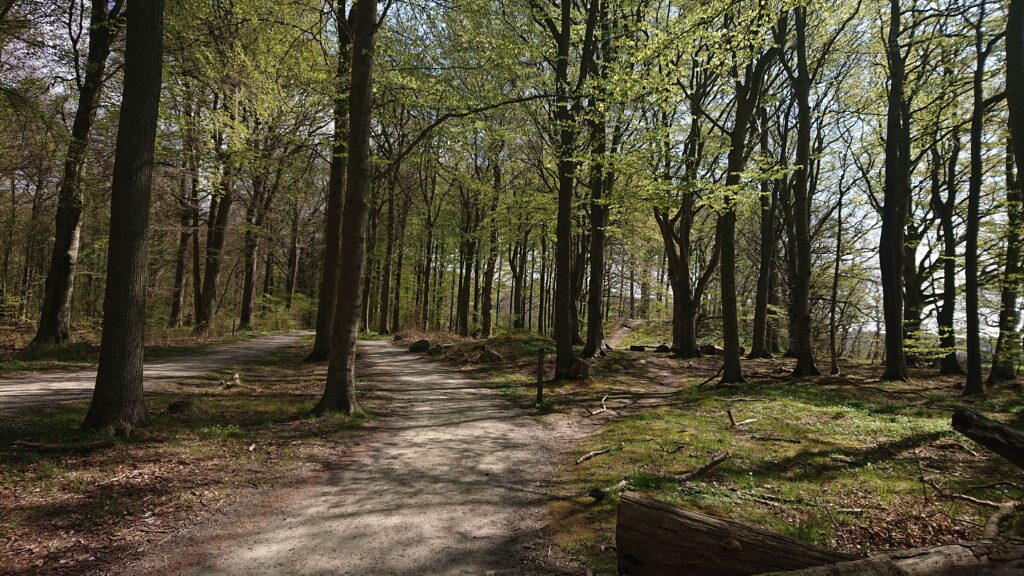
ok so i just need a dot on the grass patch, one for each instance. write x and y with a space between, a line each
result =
835 461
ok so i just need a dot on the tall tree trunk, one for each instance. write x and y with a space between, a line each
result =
486 320
1004 359
54 320
595 344
975 384
9 243
197 280
946 209
383 325
335 196
293 258
180 256
396 308
261 198
834 298
428 265
216 237
544 304
1015 76
759 339
897 199
370 245
339 391
805 365
748 94
117 403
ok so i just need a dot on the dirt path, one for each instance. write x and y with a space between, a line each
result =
451 481
48 388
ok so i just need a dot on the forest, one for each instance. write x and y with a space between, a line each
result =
749 271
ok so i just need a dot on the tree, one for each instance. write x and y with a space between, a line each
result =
54 319
801 313
897 200
339 391
117 404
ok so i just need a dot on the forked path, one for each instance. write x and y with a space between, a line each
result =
451 481
42 389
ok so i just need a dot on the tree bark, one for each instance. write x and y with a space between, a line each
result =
975 385
759 339
396 308
805 365
118 404
897 199
383 324
328 297
486 319
181 254
293 258
1004 359
997 437
595 344
565 118
833 300
748 94
339 391
54 320
945 208
216 237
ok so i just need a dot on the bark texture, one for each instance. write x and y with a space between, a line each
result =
117 404
339 391
55 316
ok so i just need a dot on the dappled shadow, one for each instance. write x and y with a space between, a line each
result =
452 483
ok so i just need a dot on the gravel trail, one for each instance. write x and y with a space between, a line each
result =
450 481
41 389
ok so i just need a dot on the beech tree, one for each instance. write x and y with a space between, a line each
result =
117 403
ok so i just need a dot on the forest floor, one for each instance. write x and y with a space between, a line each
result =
846 462
73 512
22 391
456 469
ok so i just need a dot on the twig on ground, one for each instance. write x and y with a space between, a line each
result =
599 494
734 424
713 376
590 455
1003 511
964 497
604 407
666 450
718 459
775 438
954 443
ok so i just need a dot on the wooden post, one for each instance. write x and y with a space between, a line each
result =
540 376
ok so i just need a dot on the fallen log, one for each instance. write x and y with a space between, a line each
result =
996 436
657 539
996 557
